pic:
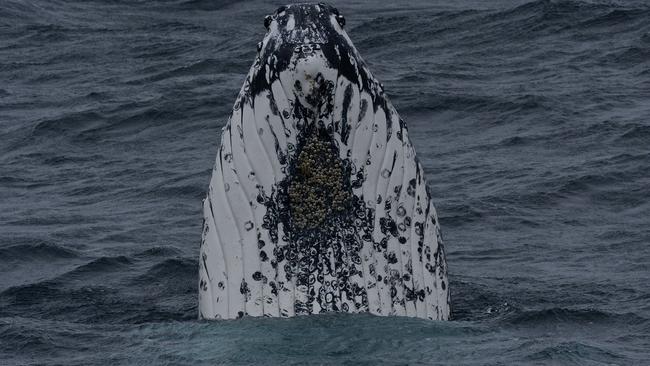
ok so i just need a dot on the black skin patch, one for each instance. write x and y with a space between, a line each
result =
345 125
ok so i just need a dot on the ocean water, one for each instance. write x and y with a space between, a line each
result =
531 118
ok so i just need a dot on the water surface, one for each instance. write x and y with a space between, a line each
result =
531 119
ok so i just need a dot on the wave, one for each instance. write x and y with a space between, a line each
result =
101 265
610 130
166 251
579 353
94 126
165 292
628 56
206 5
472 301
69 122
17 12
602 188
36 251
423 101
170 269
572 13
203 67
548 317
615 17
88 304
529 21
160 50
511 30
459 214
637 132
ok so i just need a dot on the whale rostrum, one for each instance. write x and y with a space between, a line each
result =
317 201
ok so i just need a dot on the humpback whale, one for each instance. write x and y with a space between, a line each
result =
317 201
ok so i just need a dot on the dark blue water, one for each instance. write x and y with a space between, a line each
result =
532 120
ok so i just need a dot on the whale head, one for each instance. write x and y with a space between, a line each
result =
317 201
307 49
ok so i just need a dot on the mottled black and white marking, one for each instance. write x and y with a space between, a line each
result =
317 201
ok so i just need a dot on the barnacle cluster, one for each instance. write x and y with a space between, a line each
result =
317 190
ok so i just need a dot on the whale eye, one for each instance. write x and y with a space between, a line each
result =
341 19
267 21
259 47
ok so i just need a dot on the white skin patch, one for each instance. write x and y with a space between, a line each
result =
291 23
